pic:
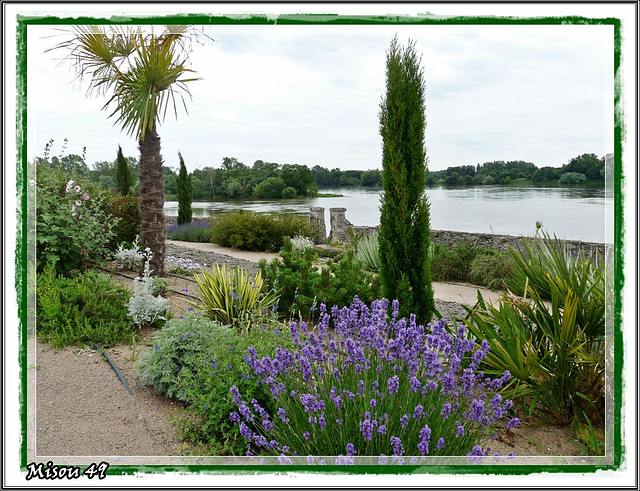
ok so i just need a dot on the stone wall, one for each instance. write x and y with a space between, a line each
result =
340 233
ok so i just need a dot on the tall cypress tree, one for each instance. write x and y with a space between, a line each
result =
404 222
124 180
185 194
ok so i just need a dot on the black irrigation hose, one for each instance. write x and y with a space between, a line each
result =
132 278
113 365
181 277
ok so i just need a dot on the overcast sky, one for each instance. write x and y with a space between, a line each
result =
311 94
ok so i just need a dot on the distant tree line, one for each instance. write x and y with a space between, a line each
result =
580 169
269 180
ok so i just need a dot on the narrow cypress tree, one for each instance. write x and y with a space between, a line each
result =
124 180
185 194
404 222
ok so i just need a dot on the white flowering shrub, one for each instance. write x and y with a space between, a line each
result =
130 259
301 242
144 308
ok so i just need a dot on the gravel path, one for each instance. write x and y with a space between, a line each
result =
450 310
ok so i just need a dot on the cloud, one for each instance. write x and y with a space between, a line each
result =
311 95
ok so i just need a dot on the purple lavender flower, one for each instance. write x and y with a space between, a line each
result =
415 384
417 412
476 410
245 431
235 394
367 426
393 383
382 429
404 420
476 454
511 424
351 449
372 403
460 429
282 414
440 443
306 435
446 410
396 443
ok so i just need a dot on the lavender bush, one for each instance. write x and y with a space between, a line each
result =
373 386
190 232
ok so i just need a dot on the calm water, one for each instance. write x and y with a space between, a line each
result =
571 213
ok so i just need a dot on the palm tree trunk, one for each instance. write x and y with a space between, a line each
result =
152 226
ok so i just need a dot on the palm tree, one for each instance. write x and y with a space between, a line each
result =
143 72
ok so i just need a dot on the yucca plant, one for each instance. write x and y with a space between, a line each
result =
368 252
545 349
230 296
544 264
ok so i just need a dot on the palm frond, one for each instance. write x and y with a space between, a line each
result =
144 71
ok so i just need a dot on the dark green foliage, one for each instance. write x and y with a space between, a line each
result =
490 270
588 164
185 194
270 188
302 287
300 178
404 213
124 180
196 361
258 232
571 178
469 263
127 209
83 308
289 193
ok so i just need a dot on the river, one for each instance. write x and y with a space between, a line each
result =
570 213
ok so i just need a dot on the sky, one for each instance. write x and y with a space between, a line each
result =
311 95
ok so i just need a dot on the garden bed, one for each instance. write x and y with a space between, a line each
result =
83 409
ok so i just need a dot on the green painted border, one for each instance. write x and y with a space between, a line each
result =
332 19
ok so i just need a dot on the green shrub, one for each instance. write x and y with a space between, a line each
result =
74 225
452 263
197 361
190 232
83 308
571 178
289 193
302 287
127 209
490 270
258 232
470 263
270 188
231 297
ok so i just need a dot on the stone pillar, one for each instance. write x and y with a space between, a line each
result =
318 228
339 225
